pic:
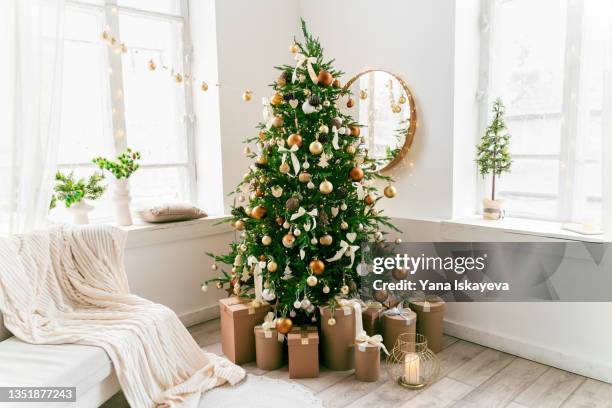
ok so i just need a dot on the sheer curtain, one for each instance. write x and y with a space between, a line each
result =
33 46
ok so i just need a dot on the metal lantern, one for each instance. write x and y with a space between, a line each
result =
411 364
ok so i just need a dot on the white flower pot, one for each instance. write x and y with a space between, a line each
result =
80 211
122 201
492 209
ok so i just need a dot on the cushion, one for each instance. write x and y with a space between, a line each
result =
63 365
171 212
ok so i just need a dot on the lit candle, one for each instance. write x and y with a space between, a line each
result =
412 369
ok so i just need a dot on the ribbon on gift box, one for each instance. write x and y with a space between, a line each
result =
377 340
301 59
372 304
427 300
399 310
268 324
294 159
348 305
257 277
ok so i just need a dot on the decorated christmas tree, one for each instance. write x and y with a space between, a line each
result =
308 201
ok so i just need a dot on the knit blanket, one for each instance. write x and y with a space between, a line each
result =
68 285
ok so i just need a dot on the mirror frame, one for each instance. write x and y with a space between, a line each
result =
413 116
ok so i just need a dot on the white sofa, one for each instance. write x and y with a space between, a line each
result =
87 368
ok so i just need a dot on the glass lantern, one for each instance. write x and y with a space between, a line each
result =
411 364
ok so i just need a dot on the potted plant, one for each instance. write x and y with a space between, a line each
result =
122 168
74 192
493 157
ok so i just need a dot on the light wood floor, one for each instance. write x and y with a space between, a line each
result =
472 376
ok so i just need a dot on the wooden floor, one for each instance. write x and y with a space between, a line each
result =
472 376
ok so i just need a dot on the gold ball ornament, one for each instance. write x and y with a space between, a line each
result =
336 83
288 241
284 168
204 86
317 266
363 94
259 212
381 295
325 78
350 103
369 199
239 225
396 108
355 131
331 321
294 49
281 81
304 177
204 288
247 96
294 139
326 240
398 240
316 148
356 173
390 191
178 78
344 290
152 65
326 187
279 220
272 266
266 240
284 325
276 99
312 280
401 100
262 135
344 225
399 274
262 160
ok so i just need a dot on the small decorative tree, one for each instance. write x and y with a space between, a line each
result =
493 155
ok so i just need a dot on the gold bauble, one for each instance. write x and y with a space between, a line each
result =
304 177
326 240
279 220
325 78
398 240
239 225
369 199
350 103
259 192
262 258
363 94
294 139
355 131
401 100
390 191
276 99
259 212
350 149
356 173
272 266
317 266
281 81
336 83
178 78
326 187
294 49
381 295
284 168
396 108
315 147
262 135
288 240
266 240
399 274
247 96
204 86
263 160
284 325
152 65
344 225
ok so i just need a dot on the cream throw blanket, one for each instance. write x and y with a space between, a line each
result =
68 285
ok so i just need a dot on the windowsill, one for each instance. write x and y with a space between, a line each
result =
545 229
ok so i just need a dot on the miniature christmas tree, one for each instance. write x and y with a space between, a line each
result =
308 199
493 155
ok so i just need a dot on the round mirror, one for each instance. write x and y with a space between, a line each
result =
385 108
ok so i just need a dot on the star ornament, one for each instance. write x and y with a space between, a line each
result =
323 160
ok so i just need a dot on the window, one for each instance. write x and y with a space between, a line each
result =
546 60
112 100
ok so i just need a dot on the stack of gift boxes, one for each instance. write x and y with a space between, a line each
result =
352 335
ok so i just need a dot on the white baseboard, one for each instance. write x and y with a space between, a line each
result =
599 370
200 315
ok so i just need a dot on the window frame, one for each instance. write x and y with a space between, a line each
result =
110 11
566 158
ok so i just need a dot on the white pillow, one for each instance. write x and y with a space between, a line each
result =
171 212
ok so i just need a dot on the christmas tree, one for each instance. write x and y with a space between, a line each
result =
493 154
308 201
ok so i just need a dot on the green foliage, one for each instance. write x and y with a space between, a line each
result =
493 154
123 167
70 190
258 183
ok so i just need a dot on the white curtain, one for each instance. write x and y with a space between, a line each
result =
33 48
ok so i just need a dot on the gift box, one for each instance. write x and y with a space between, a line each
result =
396 321
367 362
268 348
338 339
371 318
238 319
303 345
430 320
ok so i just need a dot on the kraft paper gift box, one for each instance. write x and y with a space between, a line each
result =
303 347
430 319
367 362
338 340
238 319
396 321
371 318
268 348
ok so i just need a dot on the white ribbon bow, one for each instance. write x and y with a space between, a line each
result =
372 304
257 277
348 305
313 214
399 310
301 59
377 340
335 138
344 246
360 192
268 323
294 159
